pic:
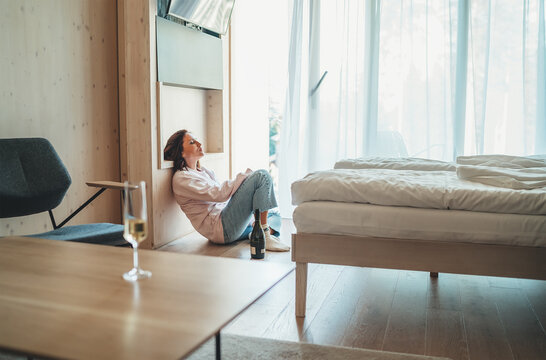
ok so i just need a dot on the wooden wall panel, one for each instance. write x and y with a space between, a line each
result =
140 149
137 96
199 111
180 108
59 81
203 112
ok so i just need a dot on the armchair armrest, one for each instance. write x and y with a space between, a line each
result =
103 185
109 185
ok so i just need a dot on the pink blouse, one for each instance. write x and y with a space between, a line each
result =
202 199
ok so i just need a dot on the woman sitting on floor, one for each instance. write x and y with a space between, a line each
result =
219 212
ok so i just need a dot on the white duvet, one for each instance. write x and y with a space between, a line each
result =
413 188
404 163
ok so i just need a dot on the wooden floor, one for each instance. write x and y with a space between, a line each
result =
456 316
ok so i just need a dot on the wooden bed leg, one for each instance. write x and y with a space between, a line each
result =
433 274
301 288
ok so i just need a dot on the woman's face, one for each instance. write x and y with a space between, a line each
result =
192 149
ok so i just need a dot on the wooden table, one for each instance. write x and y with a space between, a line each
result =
68 300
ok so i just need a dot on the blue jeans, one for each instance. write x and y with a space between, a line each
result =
256 192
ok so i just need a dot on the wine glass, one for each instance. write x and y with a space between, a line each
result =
135 228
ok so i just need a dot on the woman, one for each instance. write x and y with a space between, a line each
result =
219 212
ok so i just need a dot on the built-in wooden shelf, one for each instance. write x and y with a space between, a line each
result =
197 110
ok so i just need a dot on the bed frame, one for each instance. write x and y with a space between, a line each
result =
422 255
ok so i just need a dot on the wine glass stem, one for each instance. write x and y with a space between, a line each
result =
135 257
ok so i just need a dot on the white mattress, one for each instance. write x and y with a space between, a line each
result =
327 217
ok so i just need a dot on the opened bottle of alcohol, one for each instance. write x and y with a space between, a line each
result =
257 238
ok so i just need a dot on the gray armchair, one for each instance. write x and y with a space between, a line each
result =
33 179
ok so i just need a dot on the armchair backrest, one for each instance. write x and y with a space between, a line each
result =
32 177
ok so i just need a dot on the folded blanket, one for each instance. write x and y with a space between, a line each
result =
504 161
518 179
404 163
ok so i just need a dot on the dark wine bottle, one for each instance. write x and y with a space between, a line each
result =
257 238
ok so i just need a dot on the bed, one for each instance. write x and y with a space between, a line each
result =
416 214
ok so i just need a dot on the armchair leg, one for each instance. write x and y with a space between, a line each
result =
75 212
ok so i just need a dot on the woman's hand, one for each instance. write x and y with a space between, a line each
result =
248 171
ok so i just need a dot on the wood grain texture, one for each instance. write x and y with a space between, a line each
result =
201 111
535 290
436 256
110 185
301 288
256 322
137 115
328 327
444 293
445 334
421 255
525 334
369 322
461 306
286 326
76 293
59 81
485 334
407 321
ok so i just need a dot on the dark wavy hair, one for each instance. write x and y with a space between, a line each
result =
173 151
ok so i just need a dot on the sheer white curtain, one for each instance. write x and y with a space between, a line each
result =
291 153
426 78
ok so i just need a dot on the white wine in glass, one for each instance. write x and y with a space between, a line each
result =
135 230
